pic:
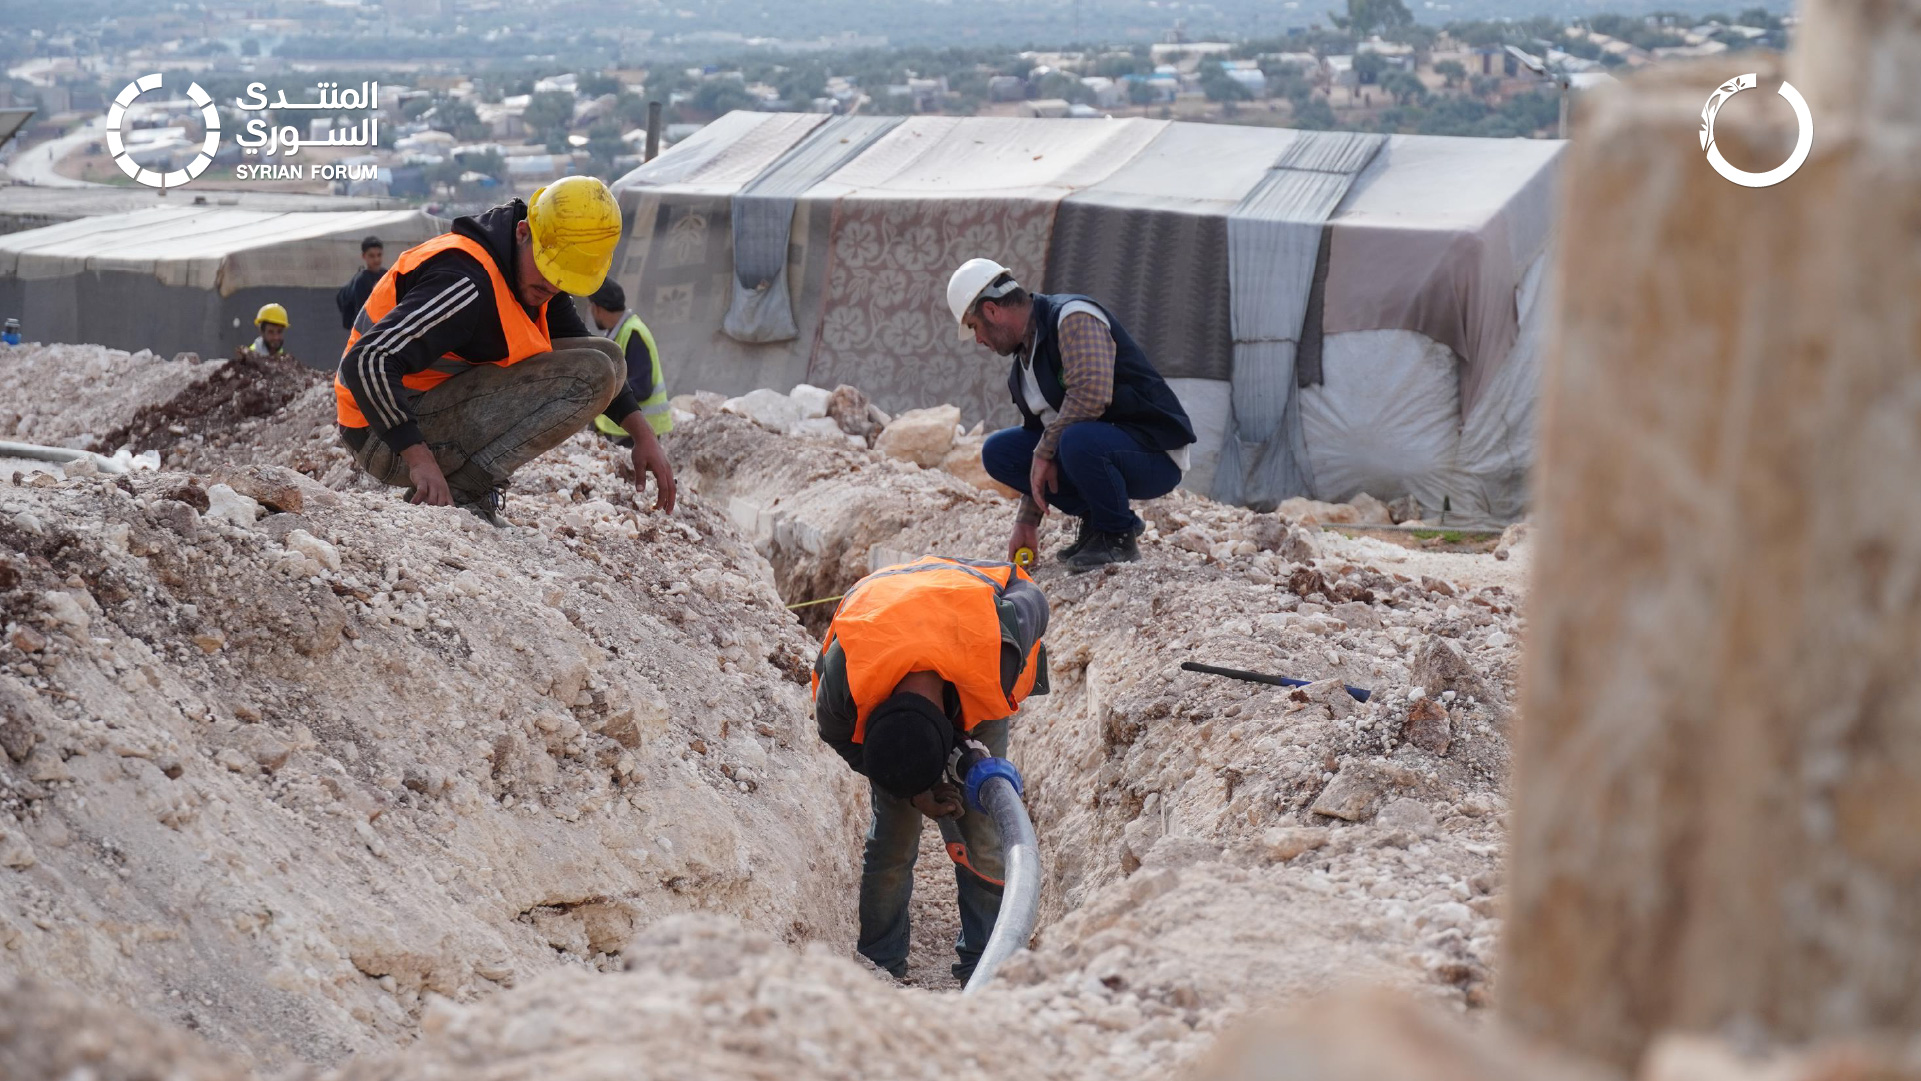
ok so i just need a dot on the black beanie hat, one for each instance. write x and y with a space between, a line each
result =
906 746
610 296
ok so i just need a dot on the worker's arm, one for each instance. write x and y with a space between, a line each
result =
1087 371
834 710
640 379
437 315
649 458
563 322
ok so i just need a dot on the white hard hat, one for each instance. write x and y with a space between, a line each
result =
970 283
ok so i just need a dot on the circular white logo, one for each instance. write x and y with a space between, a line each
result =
1803 142
210 118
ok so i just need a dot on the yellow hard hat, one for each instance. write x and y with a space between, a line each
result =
575 224
271 313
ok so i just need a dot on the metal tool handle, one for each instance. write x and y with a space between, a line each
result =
1360 693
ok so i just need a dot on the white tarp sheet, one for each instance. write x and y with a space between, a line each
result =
1424 262
216 248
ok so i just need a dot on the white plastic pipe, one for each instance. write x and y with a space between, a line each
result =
38 453
1020 891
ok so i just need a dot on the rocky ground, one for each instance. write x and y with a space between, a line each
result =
318 774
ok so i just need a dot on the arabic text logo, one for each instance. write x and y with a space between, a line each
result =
1803 142
117 115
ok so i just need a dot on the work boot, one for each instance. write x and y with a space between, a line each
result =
487 507
1105 548
1080 542
1086 532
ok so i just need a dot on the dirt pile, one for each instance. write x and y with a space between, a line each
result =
321 775
287 779
76 395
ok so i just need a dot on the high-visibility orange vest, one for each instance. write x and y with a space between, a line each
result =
936 615
525 337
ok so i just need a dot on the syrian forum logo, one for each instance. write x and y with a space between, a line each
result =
1803 142
117 115
258 138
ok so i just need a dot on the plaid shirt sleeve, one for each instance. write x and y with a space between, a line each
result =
1087 370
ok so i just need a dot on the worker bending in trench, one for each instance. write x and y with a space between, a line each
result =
920 658
1100 427
460 369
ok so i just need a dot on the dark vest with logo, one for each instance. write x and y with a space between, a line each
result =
1144 406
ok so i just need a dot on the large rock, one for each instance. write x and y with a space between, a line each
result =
1717 786
1365 510
811 399
281 489
1441 665
964 461
767 408
922 436
850 409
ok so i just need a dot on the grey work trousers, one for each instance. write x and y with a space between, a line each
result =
887 872
485 423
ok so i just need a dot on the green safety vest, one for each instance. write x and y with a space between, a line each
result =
660 416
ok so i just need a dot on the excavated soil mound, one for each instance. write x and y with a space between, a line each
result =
284 781
352 774
210 412
76 394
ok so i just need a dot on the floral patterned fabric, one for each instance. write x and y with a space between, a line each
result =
886 323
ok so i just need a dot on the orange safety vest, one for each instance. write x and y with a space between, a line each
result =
525 337
934 614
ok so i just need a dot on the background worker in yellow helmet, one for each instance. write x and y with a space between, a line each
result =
271 320
458 369
608 309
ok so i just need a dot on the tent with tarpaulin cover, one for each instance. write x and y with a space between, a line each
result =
190 278
1340 312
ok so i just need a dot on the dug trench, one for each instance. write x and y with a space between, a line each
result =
300 778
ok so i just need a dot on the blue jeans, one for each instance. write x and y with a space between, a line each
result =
887 873
1101 468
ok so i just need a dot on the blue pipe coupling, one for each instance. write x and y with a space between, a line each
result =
985 770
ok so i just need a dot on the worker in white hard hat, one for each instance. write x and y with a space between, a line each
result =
459 370
271 321
1100 427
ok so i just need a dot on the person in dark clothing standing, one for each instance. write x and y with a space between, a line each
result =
353 294
459 370
1100 426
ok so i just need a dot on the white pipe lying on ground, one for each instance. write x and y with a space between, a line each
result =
1021 892
38 453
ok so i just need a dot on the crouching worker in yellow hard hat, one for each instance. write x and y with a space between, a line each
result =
459 370
272 323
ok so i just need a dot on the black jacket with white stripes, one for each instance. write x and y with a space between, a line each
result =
446 305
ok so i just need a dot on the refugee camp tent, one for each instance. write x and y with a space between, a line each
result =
1340 312
169 279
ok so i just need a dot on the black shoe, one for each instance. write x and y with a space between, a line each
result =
1086 533
487 508
1080 542
1105 548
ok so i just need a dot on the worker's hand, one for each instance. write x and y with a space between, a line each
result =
1043 478
941 801
1026 535
650 458
430 485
